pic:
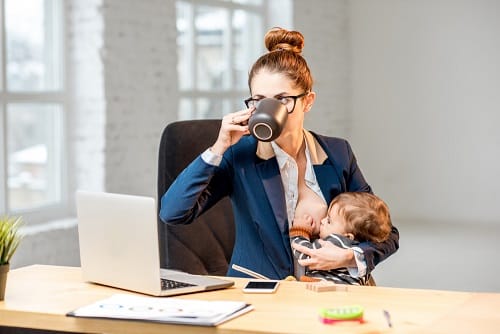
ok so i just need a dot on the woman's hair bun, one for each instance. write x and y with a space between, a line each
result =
279 39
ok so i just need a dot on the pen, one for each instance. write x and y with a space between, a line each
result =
387 316
248 272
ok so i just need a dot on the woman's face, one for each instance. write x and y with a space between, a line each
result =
268 84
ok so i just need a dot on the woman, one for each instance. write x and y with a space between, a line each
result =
268 182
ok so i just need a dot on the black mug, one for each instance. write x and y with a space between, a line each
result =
268 120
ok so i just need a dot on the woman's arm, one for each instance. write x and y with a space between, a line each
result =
193 192
330 256
377 252
327 257
323 255
203 183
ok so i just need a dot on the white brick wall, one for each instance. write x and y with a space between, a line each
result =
140 84
52 243
324 24
125 90
87 105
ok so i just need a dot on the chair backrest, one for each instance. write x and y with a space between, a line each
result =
204 246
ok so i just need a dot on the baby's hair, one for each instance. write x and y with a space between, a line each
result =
367 216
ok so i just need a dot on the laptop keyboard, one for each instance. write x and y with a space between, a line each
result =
167 284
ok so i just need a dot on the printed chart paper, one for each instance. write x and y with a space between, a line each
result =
167 310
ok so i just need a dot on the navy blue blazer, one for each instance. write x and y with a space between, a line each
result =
254 185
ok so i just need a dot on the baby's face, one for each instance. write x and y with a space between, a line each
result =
313 208
332 223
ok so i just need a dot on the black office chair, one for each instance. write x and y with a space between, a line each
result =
204 246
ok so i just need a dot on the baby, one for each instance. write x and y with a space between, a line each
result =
352 217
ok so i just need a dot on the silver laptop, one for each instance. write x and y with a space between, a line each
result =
119 247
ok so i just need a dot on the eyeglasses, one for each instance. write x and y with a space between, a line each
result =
288 101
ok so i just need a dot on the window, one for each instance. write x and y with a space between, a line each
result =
217 43
32 109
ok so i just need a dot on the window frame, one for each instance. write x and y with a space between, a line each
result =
60 209
234 95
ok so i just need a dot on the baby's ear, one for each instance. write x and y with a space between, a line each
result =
349 235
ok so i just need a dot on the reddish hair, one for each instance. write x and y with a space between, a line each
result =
284 56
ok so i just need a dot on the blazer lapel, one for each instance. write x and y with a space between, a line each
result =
271 180
268 171
328 180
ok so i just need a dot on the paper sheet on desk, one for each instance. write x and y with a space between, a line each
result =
167 310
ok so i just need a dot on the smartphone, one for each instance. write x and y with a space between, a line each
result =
261 286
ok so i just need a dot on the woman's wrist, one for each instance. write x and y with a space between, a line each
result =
349 258
218 149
